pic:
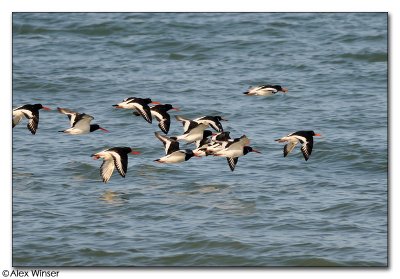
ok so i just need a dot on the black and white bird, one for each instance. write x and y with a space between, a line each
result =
80 122
212 145
212 121
160 112
221 137
172 151
304 137
265 90
234 149
115 157
193 131
201 145
30 112
138 104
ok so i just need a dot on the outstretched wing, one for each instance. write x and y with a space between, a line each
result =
106 170
71 114
120 162
288 148
170 145
144 111
306 149
82 121
232 161
16 118
33 124
187 123
164 125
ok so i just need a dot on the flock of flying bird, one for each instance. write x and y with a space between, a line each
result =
194 131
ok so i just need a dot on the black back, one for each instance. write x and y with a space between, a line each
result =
142 101
162 108
307 134
33 108
224 136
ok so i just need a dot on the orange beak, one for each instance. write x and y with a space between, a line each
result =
135 152
317 135
177 109
156 103
105 130
46 108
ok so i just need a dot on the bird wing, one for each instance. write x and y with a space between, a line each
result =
144 111
164 121
217 126
232 161
120 162
71 114
82 121
106 170
213 122
267 88
288 148
170 145
17 117
164 125
187 123
306 148
33 124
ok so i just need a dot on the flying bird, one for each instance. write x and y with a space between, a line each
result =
234 149
193 131
160 112
138 104
30 112
115 157
212 121
265 90
304 137
80 122
172 151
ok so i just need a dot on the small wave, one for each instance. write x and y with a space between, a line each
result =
99 253
370 38
321 262
25 29
368 57
177 56
99 29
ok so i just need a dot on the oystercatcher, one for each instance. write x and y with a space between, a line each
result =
115 157
138 104
80 122
265 90
193 131
234 149
172 151
30 112
304 137
160 112
212 121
